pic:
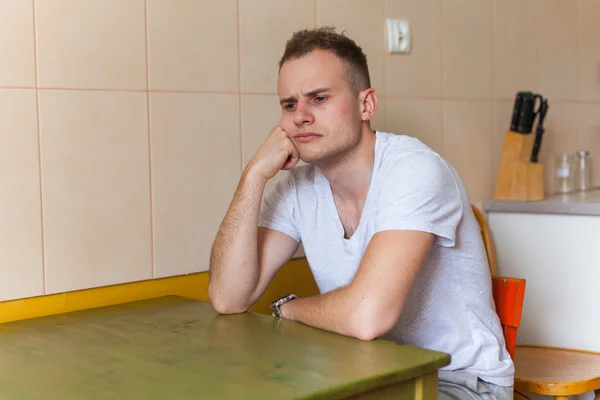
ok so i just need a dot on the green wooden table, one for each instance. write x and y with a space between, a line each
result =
176 348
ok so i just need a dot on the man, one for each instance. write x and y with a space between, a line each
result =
385 222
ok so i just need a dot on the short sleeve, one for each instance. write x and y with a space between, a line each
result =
419 192
277 209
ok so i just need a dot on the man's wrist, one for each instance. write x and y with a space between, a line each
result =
287 310
251 175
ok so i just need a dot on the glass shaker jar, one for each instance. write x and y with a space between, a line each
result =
583 171
563 173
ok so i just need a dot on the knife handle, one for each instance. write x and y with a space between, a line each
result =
540 130
536 145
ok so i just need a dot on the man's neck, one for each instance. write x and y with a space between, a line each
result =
350 176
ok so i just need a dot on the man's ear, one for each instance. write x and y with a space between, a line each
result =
368 103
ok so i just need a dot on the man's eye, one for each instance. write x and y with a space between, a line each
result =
289 106
320 99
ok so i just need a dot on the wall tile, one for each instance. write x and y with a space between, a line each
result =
265 27
467 41
417 118
17 64
192 45
96 194
557 49
93 44
418 73
195 171
588 57
502 117
468 144
362 21
21 230
515 47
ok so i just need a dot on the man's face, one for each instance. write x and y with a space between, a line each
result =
319 111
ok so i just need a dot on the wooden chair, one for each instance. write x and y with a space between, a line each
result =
543 370
508 296
486 235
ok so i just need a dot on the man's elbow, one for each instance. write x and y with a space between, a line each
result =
224 304
225 307
370 331
369 324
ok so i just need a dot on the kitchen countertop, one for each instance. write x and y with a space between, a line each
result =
585 203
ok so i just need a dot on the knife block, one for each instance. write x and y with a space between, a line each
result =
518 178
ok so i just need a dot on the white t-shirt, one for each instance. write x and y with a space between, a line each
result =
450 307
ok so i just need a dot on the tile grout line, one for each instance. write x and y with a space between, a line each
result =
39 133
578 94
493 91
441 98
577 52
493 49
150 176
239 85
123 90
536 22
443 78
384 66
19 87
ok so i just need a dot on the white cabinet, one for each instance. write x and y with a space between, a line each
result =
559 256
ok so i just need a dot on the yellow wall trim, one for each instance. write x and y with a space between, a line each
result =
294 277
193 286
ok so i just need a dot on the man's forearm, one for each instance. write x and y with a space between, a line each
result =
345 310
234 258
335 311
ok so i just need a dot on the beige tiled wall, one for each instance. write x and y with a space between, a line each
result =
124 125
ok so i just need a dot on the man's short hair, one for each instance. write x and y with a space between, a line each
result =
325 38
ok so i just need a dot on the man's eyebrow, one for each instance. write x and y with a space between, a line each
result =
287 100
309 94
317 91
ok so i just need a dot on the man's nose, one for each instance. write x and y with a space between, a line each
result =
303 114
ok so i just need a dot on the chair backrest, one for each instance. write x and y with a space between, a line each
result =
486 235
509 293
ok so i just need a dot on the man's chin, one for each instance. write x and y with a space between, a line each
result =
317 156
308 159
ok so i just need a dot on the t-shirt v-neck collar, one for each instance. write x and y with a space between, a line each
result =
352 240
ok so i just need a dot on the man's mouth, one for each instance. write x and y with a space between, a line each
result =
306 136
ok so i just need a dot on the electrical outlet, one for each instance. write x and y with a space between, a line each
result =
398 35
